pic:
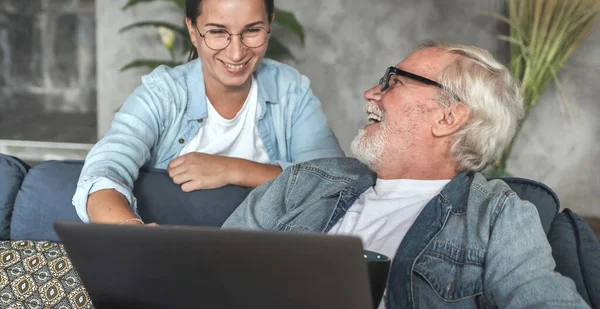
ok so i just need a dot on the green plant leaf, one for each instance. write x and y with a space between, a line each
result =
148 63
130 3
178 29
180 3
288 21
277 50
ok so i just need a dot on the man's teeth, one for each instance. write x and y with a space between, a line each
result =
234 67
374 114
373 118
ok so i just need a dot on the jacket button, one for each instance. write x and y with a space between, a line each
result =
181 140
200 120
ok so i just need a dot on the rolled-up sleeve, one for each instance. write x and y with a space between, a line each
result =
87 186
114 162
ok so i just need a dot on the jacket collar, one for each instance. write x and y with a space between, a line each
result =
196 93
456 192
265 95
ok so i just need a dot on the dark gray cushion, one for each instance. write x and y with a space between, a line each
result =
540 195
576 251
12 172
47 191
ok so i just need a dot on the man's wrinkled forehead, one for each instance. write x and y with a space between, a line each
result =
427 62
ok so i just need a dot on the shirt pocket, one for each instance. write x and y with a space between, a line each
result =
451 279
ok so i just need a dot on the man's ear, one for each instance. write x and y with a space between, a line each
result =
450 120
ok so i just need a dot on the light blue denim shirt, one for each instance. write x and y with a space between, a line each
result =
168 109
475 245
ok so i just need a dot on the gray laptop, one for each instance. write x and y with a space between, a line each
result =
199 267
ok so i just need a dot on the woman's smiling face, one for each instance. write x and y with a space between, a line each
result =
231 67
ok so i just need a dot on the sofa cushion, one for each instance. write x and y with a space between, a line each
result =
540 195
47 191
12 172
576 251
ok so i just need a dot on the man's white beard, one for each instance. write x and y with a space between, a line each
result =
368 149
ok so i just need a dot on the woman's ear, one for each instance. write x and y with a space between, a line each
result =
451 120
191 31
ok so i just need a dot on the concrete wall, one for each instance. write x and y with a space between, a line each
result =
48 70
350 42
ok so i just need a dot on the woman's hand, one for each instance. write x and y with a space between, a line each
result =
196 170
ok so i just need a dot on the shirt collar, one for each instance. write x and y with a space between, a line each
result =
197 93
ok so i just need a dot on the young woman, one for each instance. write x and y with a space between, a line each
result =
227 117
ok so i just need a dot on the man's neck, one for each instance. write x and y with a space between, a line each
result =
421 169
433 160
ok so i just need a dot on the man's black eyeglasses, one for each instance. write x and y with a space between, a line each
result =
385 80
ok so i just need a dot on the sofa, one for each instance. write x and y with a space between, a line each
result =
31 199
36 197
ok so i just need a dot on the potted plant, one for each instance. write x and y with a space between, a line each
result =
543 35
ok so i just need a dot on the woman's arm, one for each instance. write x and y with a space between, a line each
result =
114 162
109 206
195 171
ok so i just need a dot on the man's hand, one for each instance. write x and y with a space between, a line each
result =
195 171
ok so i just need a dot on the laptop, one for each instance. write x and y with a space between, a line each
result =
203 267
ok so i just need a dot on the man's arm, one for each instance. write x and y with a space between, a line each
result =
519 268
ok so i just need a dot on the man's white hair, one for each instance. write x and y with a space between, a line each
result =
492 95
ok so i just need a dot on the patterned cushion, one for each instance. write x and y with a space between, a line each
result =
38 274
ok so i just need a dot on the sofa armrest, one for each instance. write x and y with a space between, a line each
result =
12 173
576 251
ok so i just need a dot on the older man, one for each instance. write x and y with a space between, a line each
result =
457 240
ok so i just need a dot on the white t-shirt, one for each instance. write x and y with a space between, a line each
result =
382 215
237 137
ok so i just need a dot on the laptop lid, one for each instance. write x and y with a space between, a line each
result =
191 267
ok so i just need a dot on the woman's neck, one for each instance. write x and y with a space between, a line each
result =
227 101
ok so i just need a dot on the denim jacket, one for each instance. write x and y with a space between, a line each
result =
475 245
169 108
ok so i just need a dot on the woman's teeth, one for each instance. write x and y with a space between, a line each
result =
234 67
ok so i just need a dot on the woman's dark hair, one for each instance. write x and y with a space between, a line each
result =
193 9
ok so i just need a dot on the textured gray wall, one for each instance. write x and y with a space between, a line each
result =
48 70
350 42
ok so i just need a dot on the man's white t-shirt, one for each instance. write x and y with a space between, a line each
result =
237 137
382 215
